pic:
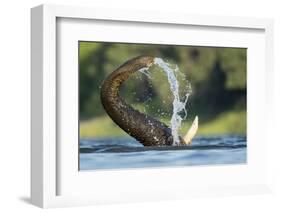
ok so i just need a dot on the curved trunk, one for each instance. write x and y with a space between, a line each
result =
146 129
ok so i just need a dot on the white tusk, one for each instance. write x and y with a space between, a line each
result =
191 132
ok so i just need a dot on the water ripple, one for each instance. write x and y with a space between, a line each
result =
116 153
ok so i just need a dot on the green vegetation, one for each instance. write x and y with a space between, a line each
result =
100 127
230 122
217 77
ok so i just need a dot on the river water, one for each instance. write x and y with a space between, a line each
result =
126 152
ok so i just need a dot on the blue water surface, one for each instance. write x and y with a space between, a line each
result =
126 152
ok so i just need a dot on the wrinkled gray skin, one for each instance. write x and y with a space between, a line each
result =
146 129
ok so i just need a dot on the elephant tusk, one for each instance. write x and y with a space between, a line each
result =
191 132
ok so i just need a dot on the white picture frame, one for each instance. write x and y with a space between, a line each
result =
48 168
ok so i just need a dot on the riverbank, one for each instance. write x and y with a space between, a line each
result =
230 122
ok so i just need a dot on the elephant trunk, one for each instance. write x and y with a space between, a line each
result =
146 129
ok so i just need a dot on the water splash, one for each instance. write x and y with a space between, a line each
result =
145 72
178 105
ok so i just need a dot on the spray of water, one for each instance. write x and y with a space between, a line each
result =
178 105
